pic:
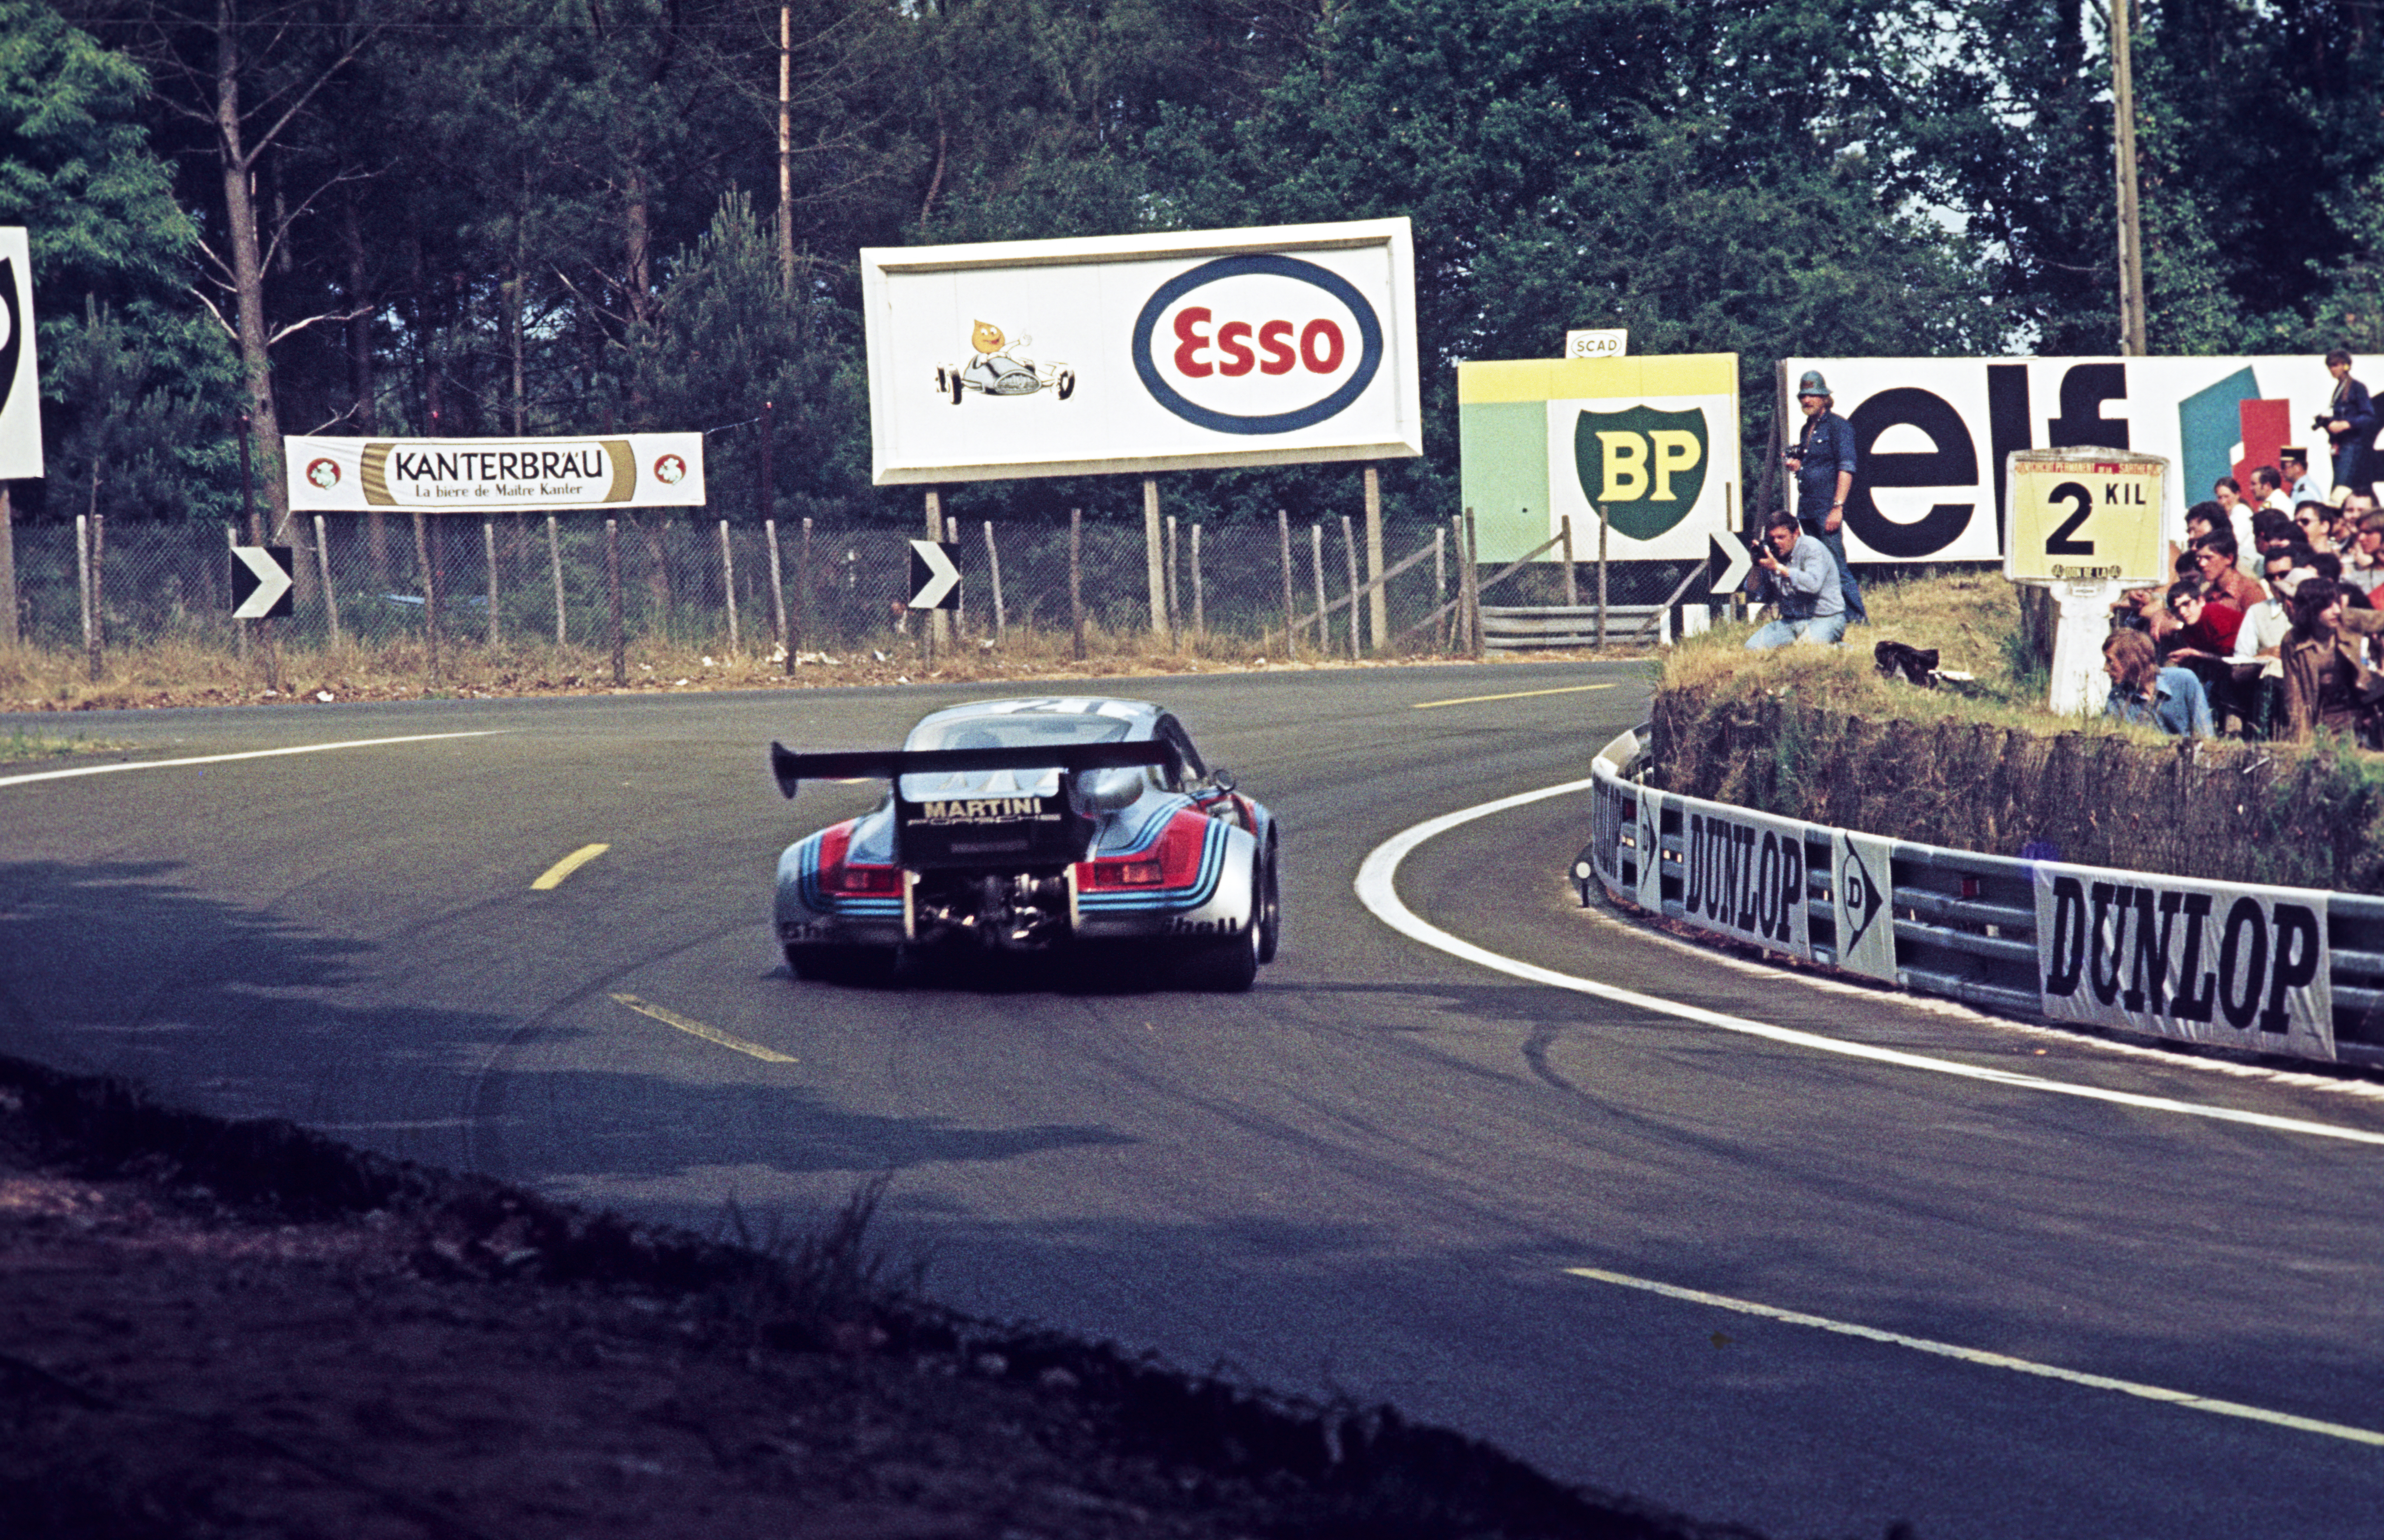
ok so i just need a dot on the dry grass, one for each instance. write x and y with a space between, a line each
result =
1972 621
22 745
183 672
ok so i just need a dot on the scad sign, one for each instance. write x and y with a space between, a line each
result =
1142 352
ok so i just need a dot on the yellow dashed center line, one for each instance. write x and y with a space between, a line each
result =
552 877
1515 695
709 1034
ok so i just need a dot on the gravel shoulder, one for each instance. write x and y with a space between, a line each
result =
212 1328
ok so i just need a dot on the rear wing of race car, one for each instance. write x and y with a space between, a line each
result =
792 769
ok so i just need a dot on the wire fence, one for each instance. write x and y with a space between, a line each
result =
372 579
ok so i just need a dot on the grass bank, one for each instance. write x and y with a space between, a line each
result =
1818 733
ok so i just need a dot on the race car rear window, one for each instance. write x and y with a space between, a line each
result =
1021 730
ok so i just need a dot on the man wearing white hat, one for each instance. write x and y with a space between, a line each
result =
1822 461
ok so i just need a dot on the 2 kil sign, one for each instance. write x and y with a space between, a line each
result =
2201 962
1142 352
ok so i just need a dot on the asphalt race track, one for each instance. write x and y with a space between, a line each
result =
1367 1177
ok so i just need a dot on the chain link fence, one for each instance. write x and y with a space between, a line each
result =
697 581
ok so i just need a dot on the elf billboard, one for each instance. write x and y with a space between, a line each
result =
1142 352
1931 435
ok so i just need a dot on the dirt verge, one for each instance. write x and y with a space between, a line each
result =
234 1329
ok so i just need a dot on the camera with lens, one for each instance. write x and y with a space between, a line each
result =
2318 423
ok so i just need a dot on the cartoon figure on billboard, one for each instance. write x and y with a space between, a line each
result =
997 366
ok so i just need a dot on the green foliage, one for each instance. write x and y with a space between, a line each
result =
135 380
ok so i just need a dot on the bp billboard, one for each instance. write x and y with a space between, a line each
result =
1649 444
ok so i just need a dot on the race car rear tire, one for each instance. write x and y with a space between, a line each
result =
1229 965
1270 912
855 965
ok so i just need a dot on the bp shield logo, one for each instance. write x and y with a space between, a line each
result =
1643 467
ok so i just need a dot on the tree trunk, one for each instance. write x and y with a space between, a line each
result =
248 277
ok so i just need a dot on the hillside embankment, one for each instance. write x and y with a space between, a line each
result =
1819 734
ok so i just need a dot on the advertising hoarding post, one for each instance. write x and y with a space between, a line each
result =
429 591
1200 596
728 586
1175 596
777 594
489 560
1378 604
993 567
1153 556
1571 579
938 624
82 589
10 634
1076 581
1601 561
1470 584
323 562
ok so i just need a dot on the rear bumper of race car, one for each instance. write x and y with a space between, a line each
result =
1032 910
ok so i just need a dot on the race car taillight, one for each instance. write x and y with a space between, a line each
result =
1121 873
863 879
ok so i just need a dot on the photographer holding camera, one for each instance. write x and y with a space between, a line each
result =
1822 461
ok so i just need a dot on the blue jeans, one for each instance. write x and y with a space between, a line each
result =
1848 590
1821 631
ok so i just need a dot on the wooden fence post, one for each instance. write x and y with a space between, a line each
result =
1350 553
554 567
83 591
1601 576
1199 596
1440 567
729 584
613 579
239 631
331 594
993 563
11 632
423 544
1174 603
1473 571
938 625
777 591
959 594
1316 570
1290 609
803 595
1076 577
489 548
1571 585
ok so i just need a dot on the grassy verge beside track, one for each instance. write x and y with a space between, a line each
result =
1818 733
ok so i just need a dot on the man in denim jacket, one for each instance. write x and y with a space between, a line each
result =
1823 460
1795 570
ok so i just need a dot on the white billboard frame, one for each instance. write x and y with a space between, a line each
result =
20 395
1154 435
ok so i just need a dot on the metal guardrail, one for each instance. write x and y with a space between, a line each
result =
1965 925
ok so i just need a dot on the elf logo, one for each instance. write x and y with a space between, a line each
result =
1257 344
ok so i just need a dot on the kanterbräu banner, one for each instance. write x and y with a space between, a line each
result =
478 475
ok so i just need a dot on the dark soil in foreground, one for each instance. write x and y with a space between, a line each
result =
212 1329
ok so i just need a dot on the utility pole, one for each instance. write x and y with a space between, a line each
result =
786 150
2123 135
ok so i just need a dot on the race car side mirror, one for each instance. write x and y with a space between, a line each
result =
1222 780
1108 791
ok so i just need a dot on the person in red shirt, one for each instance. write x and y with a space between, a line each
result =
2203 641
2218 562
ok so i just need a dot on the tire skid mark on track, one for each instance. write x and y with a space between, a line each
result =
1377 889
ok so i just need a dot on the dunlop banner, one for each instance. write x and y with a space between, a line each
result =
2202 962
1744 877
475 475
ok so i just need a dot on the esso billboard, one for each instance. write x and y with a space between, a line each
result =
1142 352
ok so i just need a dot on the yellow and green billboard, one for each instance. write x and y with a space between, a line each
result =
1649 444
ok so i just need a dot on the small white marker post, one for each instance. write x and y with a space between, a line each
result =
2085 522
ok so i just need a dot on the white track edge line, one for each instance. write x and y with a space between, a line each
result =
253 753
1987 1360
1377 889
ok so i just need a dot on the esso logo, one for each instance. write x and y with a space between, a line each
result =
1257 344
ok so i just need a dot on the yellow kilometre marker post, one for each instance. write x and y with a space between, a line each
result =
709 1034
552 877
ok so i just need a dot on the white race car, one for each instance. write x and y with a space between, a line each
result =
1033 826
